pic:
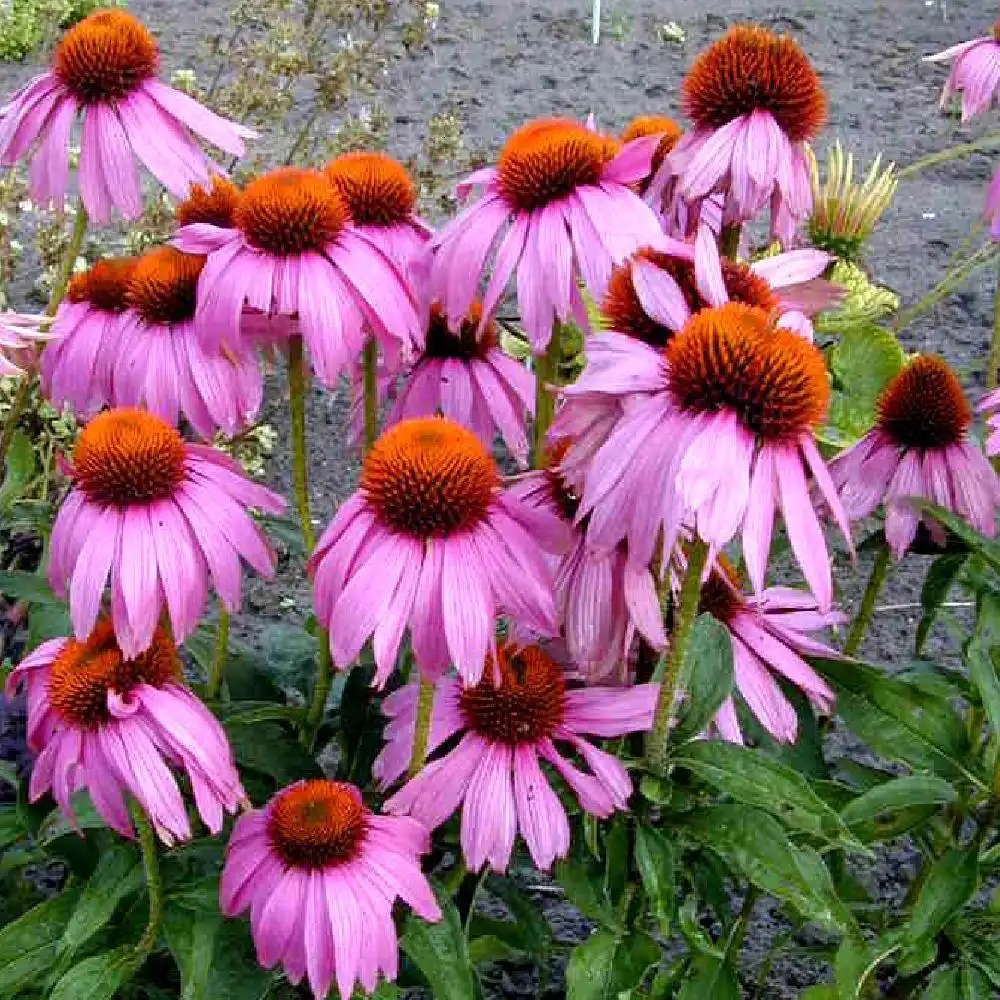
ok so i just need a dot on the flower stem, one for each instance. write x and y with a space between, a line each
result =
859 627
59 287
154 884
422 728
370 364
218 674
680 641
300 477
546 374
729 244
993 358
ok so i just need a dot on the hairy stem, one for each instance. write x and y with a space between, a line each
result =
59 287
680 641
370 364
218 674
154 884
546 375
729 243
422 728
859 627
300 477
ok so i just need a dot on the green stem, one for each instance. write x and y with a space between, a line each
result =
680 641
739 931
300 477
859 627
422 729
154 884
993 358
370 363
729 244
546 374
59 286
953 153
218 673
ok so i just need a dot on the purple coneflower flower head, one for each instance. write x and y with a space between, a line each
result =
975 73
432 542
755 101
119 726
919 449
159 361
769 634
465 376
160 518
382 201
320 875
603 599
520 713
104 69
721 435
664 129
293 251
557 208
76 367
20 334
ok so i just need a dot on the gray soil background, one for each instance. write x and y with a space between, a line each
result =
501 63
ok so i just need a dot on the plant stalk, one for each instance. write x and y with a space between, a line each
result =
214 687
300 477
154 884
657 743
370 365
56 296
546 374
422 728
859 627
729 243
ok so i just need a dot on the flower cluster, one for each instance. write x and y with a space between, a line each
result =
523 608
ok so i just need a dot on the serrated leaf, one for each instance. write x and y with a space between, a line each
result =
755 843
655 859
943 572
28 945
708 677
440 952
98 977
117 876
606 965
868 813
748 776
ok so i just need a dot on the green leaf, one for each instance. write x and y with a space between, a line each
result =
855 963
754 843
870 815
616 861
495 941
47 621
12 829
8 773
982 671
215 956
710 978
606 965
535 930
271 748
944 984
440 952
583 882
21 468
986 547
97 977
900 721
29 944
750 777
655 858
944 571
708 678
290 653
28 587
117 876
951 882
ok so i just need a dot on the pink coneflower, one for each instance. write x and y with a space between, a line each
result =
919 448
105 68
558 206
114 726
293 252
602 598
160 362
382 201
320 875
666 130
755 101
990 405
975 71
161 517
722 435
465 376
768 634
430 540
20 334
508 723
212 204
76 367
